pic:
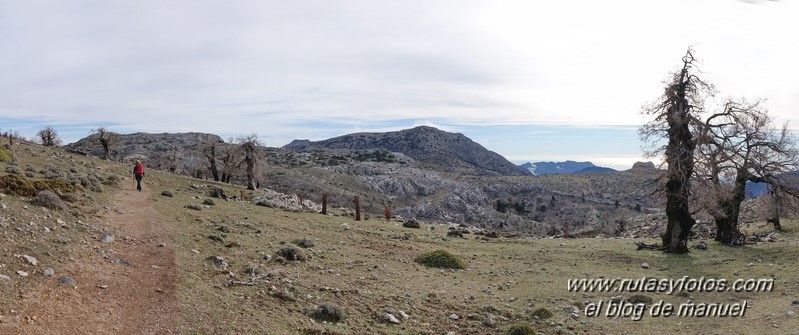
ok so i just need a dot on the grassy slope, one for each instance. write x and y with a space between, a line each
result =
370 267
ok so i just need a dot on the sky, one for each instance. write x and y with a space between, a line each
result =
530 80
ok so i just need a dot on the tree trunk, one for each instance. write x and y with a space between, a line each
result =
727 220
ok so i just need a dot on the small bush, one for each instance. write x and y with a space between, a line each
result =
441 259
13 170
412 223
329 312
541 313
303 242
284 295
292 253
167 193
55 185
639 298
69 197
520 329
50 200
5 155
209 202
18 185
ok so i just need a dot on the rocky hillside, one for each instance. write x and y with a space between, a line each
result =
453 152
421 173
542 168
176 152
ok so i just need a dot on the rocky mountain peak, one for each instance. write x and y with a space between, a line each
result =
451 151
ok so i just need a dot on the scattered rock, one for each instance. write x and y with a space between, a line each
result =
209 202
389 318
22 274
702 245
454 316
59 221
49 272
31 260
64 280
167 193
195 207
645 265
218 193
107 238
750 264
3 206
489 321
4 278
404 315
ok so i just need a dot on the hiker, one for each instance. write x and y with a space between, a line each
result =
138 171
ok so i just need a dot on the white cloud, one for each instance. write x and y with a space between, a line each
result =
311 68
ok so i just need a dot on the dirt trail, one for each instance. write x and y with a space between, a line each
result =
127 286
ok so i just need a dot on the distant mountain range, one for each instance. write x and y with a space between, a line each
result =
452 151
567 167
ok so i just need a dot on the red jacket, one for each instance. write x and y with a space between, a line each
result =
138 169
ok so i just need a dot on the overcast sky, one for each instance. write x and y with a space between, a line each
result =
531 80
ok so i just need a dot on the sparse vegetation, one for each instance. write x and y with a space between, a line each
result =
291 252
303 242
520 329
168 193
329 312
49 200
441 259
412 223
639 299
541 313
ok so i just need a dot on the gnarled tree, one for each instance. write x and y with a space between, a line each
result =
673 116
736 145
106 138
249 149
49 137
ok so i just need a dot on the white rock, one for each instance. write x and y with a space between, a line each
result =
30 259
4 278
59 221
49 272
390 318
3 206
645 265
22 273
454 316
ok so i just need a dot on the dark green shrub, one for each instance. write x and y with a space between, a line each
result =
412 223
209 202
639 298
520 329
329 312
167 193
292 253
541 313
303 242
440 259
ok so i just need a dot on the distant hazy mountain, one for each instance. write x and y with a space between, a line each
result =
542 168
596 169
451 151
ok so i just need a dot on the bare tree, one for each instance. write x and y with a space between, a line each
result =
674 114
106 138
249 148
49 137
